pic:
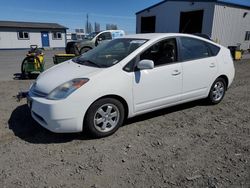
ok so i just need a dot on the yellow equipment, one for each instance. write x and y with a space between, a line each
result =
33 62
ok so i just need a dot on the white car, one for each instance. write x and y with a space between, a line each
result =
129 76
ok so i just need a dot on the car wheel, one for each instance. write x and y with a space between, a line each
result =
28 60
104 117
217 91
84 50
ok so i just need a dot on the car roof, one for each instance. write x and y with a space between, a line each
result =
149 36
118 30
157 36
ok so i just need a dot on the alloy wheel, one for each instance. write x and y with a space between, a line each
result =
218 91
106 118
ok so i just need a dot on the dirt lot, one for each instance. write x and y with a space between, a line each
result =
191 145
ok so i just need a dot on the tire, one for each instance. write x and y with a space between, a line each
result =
84 50
104 117
29 59
72 49
217 91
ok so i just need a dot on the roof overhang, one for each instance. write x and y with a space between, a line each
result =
237 3
31 25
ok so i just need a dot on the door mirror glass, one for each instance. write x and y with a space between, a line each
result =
145 64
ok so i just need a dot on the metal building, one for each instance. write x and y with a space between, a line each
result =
20 35
225 21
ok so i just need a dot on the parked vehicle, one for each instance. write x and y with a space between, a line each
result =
33 62
92 40
202 35
129 76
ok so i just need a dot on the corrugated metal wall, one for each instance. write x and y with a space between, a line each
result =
224 23
230 25
168 15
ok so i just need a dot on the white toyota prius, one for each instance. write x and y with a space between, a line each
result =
126 77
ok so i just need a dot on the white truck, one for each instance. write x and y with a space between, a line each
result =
92 40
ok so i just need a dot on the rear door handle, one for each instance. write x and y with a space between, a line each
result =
212 65
176 72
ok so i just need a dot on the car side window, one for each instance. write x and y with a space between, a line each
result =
105 36
192 49
131 65
214 49
163 52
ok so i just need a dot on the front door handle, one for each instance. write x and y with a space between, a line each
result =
176 72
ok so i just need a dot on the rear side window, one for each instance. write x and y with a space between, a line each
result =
213 49
192 49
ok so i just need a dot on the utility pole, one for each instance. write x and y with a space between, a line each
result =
87 25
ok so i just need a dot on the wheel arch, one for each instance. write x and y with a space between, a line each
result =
86 47
224 77
226 80
117 97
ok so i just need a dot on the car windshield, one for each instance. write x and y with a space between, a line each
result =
110 53
91 35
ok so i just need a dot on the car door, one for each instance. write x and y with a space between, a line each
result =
199 68
162 85
105 36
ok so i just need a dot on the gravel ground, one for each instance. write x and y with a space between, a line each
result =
11 60
191 145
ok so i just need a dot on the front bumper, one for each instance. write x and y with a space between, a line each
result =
59 116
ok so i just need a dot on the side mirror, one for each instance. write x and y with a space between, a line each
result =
98 41
145 64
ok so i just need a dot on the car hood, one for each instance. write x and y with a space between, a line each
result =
62 73
85 41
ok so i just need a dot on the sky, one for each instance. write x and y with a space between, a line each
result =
72 13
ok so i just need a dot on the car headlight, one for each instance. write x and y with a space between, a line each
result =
64 90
